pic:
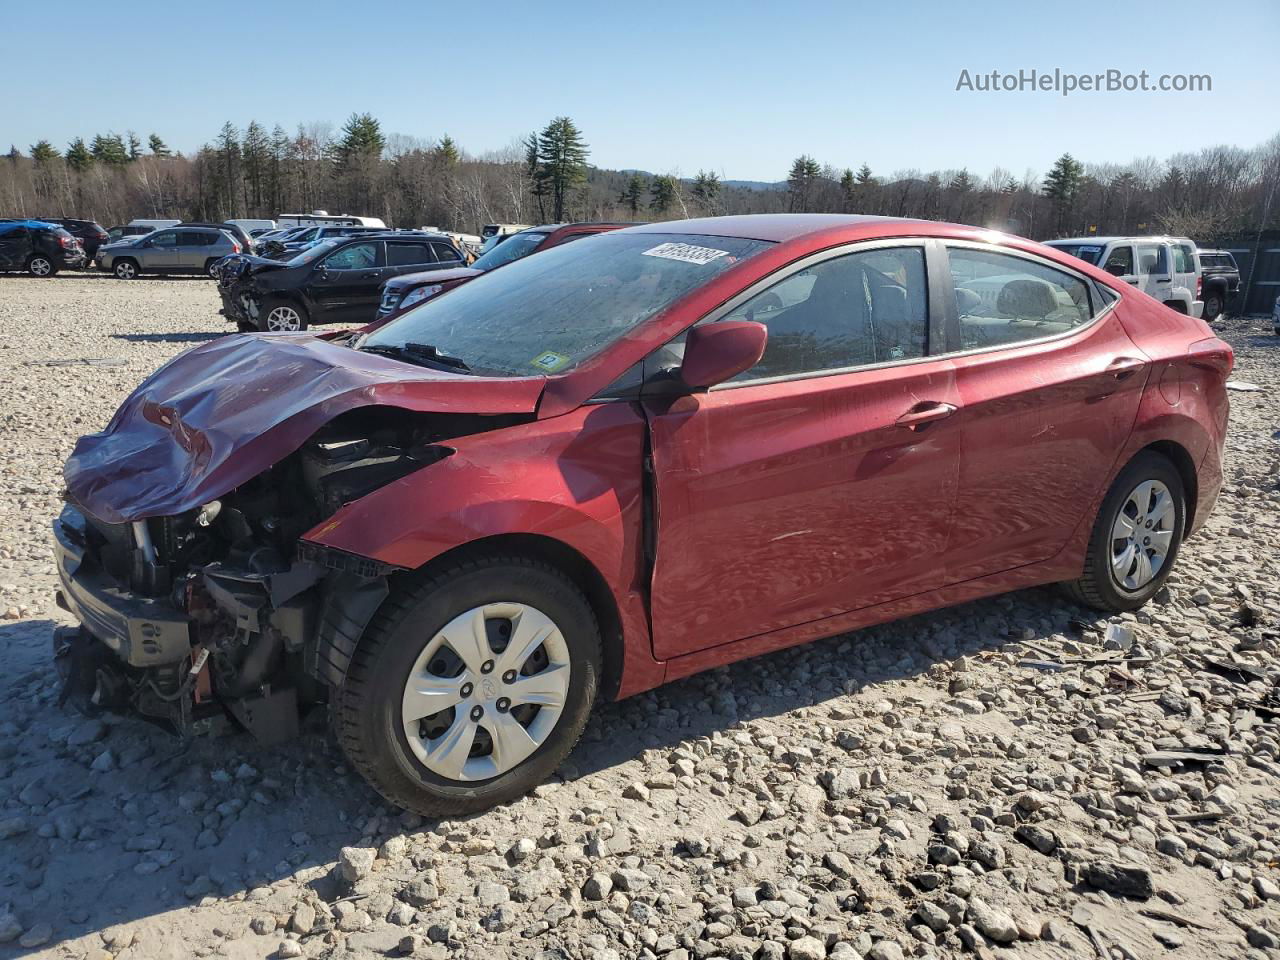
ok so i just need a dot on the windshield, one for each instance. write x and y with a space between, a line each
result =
513 248
1088 252
547 314
311 253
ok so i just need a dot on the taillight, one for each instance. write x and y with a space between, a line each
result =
1212 354
235 247
67 241
1199 288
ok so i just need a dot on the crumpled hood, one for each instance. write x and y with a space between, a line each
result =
218 415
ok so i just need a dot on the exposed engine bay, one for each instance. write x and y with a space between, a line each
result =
223 609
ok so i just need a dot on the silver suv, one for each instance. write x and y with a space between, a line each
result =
170 250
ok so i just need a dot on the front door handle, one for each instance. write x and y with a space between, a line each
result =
925 413
1122 368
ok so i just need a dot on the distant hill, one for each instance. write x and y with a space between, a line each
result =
756 184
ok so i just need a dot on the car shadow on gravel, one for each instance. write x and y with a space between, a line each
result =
153 823
171 337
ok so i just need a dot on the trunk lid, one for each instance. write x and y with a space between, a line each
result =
218 415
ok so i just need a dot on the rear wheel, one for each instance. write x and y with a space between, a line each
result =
1212 306
125 269
1135 537
211 267
41 266
281 316
470 688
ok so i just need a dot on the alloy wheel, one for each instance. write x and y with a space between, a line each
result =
126 270
284 319
486 691
41 267
1142 535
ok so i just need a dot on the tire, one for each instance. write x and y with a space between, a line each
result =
38 265
1102 585
1212 306
209 268
278 315
125 269
368 709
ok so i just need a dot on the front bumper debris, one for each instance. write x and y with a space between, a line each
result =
141 631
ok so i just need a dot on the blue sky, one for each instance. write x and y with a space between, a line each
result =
740 88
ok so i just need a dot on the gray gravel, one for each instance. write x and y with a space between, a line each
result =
981 779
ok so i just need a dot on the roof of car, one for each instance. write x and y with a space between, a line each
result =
1216 253
1102 241
777 227
8 225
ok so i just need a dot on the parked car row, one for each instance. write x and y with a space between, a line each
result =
39 247
461 529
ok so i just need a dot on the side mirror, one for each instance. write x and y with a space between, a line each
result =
716 352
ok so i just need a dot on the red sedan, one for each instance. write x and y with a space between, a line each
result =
617 463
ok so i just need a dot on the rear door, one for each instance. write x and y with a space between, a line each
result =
344 287
195 247
15 244
1155 270
409 256
798 491
1049 385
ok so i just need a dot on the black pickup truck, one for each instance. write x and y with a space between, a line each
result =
1221 281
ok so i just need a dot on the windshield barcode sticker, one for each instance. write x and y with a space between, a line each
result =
549 362
685 252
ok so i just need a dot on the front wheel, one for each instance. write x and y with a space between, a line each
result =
211 267
125 270
470 688
1212 306
41 266
281 316
1135 537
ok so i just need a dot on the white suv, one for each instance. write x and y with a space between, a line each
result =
1167 268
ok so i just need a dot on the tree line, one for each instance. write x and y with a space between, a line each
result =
547 176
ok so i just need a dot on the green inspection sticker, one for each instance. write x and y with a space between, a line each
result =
549 362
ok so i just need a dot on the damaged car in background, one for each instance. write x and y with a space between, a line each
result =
617 463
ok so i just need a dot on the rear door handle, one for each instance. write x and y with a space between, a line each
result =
1122 368
925 413
1134 282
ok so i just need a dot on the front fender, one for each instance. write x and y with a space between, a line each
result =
576 479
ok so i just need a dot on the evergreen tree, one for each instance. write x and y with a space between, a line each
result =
109 149
706 188
847 190
632 194
663 190
158 146
256 151
43 153
79 156
361 139
227 158
14 153
1062 187
538 185
134 145
447 151
801 181
562 163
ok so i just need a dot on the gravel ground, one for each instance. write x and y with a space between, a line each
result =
1015 777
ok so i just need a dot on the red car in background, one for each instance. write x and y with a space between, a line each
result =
401 293
615 464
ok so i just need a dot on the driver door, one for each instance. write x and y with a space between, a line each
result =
161 251
344 287
820 481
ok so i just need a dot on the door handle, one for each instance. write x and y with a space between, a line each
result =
1122 368
925 413
1134 282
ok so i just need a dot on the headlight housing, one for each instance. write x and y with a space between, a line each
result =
420 294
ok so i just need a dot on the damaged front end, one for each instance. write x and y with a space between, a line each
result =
241 298
181 549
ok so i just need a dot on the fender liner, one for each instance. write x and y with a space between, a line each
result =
349 603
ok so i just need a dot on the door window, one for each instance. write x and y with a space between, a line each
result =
165 238
1153 259
197 238
1120 263
409 254
853 310
356 256
1182 260
445 253
1003 299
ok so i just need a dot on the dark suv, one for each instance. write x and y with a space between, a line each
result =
38 247
1221 281
400 293
89 232
335 281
